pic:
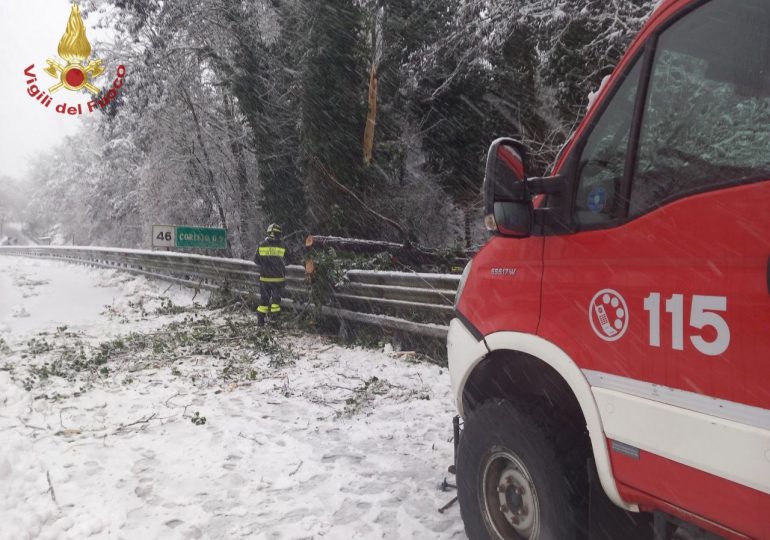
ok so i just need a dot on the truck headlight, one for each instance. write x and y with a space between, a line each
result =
463 279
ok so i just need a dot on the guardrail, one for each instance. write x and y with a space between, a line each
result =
417 303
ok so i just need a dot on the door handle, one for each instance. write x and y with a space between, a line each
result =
767 276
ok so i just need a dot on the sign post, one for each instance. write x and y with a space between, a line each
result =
163 236
188 237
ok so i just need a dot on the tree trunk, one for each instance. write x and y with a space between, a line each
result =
209 173
468 235
246 202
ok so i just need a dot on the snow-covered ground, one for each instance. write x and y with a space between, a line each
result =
128 412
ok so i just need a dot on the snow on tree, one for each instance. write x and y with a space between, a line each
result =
237 113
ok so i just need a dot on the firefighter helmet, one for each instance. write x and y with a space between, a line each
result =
274 230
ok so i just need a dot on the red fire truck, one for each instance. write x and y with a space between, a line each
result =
612 339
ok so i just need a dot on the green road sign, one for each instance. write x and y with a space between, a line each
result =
201 237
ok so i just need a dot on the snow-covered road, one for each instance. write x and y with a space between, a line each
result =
128 412
8 296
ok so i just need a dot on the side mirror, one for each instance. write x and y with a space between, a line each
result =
508 207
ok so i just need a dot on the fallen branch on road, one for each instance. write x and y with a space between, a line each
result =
143 421
50 487
253 439
297 469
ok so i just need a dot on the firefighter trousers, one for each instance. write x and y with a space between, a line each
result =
270 299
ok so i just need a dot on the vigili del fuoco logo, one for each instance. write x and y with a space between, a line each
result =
74 71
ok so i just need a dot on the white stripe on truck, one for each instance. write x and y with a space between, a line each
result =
727 439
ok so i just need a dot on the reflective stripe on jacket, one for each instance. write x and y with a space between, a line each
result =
269 258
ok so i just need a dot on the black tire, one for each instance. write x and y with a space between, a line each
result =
508 447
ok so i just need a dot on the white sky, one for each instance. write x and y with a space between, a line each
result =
30 31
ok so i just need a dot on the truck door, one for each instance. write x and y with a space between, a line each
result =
663 294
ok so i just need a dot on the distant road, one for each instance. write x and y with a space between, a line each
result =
13 230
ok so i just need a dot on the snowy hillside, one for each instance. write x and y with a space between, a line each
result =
127 411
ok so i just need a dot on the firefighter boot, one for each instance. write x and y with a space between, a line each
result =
275 311
262 311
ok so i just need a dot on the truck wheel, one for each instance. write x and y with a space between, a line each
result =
511 486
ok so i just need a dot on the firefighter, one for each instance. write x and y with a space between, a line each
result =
272 273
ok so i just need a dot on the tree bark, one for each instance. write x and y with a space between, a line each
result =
209 173
468 235
246 202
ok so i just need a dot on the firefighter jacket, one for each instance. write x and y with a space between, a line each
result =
269 258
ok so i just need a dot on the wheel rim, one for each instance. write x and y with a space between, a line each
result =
511 508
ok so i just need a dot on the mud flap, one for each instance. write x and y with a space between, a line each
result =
607 521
